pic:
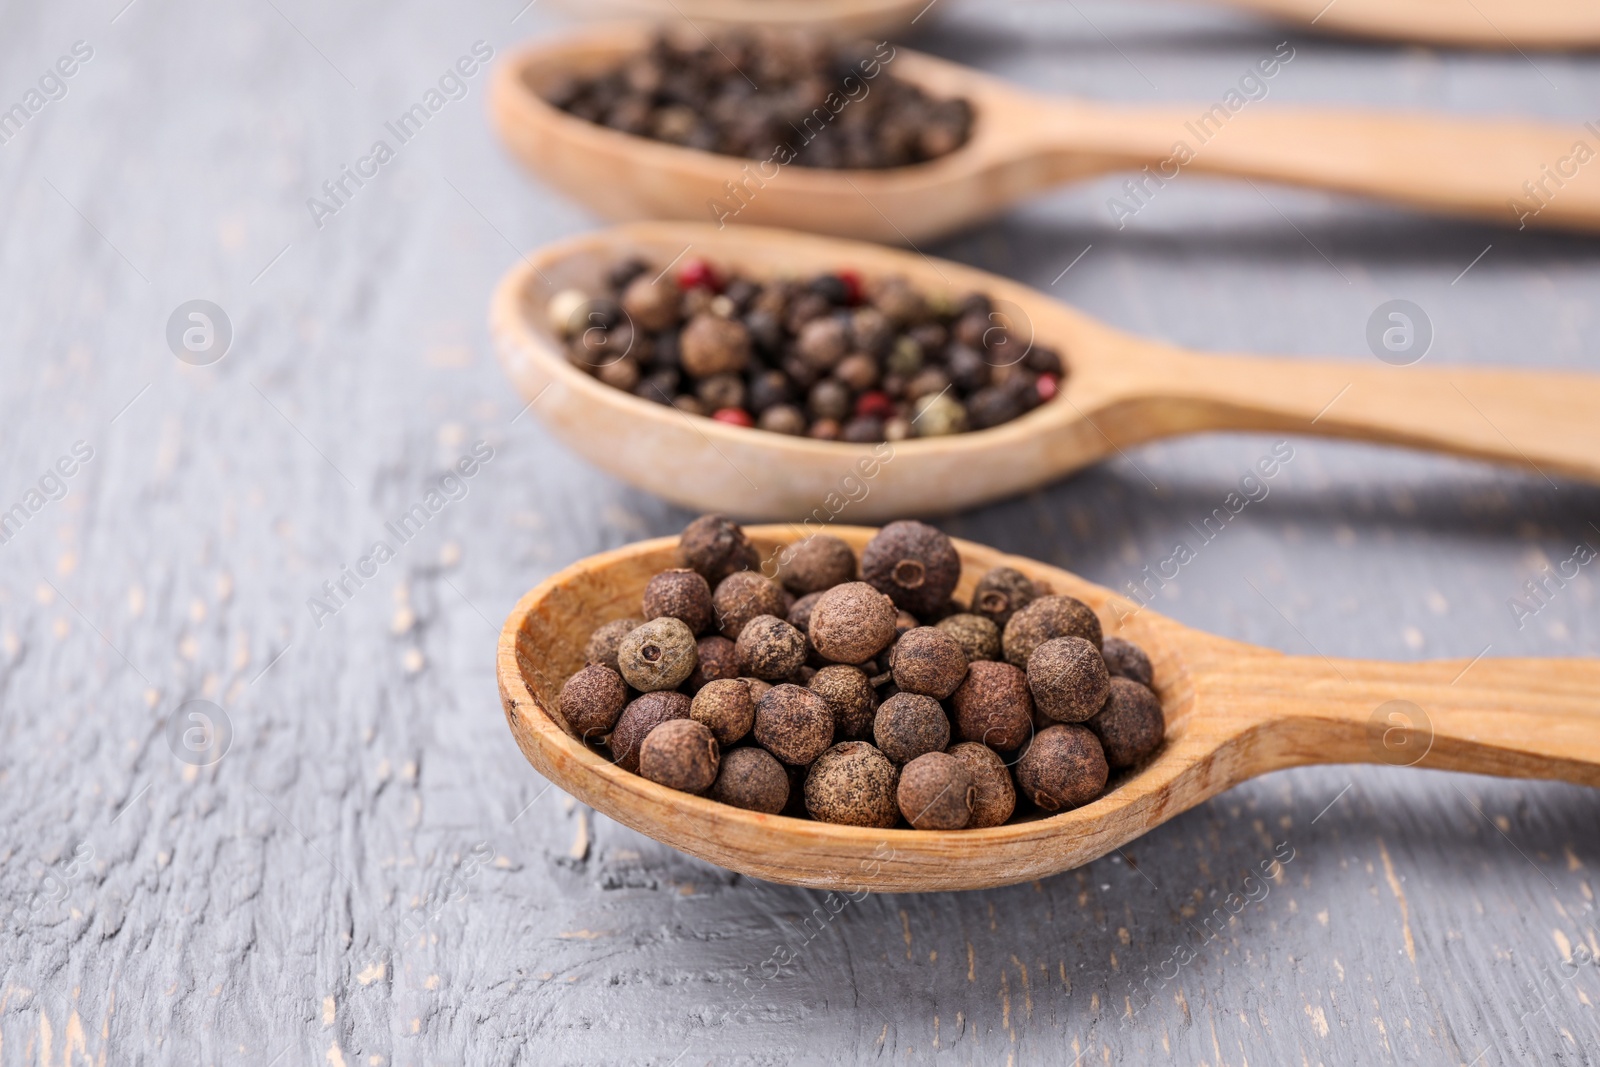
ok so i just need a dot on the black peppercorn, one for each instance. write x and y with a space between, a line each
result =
909 724
1063 768
853 784
793 723
592 699
680 594
1068 679
716 547
936 792
1127 660
914 564
1130 725
993 706
927 660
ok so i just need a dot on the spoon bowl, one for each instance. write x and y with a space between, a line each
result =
1233 712
1023 144
1121 390
837 16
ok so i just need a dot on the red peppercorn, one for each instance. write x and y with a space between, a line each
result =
874 404
1047 386
852 285
734 416
697 272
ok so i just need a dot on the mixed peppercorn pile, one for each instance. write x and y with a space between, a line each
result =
830 357
786 96
858 691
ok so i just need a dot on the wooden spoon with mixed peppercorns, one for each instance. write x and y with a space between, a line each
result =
1232 711
1020 144
1117 390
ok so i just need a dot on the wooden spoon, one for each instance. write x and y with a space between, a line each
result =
1494 24
1023 144
1233 712
1121 390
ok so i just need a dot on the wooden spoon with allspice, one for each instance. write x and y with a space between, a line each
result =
1509 171
1120 390
1233 712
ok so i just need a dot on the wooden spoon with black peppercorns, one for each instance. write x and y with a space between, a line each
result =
1512 172
1233 711
1119 390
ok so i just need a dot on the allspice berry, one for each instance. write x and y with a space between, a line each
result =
978 637
751 778
800 611
742 596
994 797
715 657
1124 659
592 699
681 593
936 792
1045 619
928 661
820 562
908 725
602 646
852 622
716 547
770 648
726 707
1130 725
1001 593
915 564
680 754
1068 679
993 706
1063 768
652 304
713 345
853 784
849 693
658 655
793 723
638 719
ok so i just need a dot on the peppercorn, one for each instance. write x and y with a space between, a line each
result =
726 707
1068 679
915 564
602 645
1064 767
993 706
641 716
859 372
852 622
849 693
936 792
751 778
853 784
994 797
770 648
619 374
652 305
769 388
680 754
681 594
978 637
716 547
722 391
742 596
783 418
592 699
1045 619
1130 725
1124 659
909 724
793 723
800 612
1001 593
711 345
715 657
823 342
927 660
819 562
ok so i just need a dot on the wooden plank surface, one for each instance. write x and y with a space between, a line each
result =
371 874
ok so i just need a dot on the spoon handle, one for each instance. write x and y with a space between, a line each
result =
1517 718
1545 421
1520 173
1500 24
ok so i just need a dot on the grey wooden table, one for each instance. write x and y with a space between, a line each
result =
371 874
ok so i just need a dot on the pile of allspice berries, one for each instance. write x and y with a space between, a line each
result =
860 692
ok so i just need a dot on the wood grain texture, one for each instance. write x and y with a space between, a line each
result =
372 870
